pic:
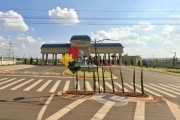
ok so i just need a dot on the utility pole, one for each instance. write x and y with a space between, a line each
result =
10 50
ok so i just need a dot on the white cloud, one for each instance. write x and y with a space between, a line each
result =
177 38
52 41
23 45
32 29
146 26
123 34
174 16
167 30
13 21
1 38
64 16
24 38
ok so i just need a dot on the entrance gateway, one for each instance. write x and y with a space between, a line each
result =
84 43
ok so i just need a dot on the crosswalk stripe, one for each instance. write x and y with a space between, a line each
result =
131 87
174 109
3 79
170 87
165 89
53 89
65 110
11 84
140 111
110 86
103 111
101 88
174 86
150 91
66 87
88 86
126 90
160 91
33 85
43 86
20 85
7 81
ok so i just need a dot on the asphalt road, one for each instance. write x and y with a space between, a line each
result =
33 92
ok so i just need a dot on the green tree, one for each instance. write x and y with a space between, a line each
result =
132 63
139 63
174 59
31 60
126 62
25 61
37 61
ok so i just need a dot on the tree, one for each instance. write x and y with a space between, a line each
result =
126 54
132 63
126 62
25 61
139 63
37 61
31 60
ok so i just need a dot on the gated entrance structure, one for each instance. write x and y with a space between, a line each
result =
84 43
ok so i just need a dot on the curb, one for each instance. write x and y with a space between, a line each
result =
114 78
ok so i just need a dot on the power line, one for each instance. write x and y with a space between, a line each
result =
38 9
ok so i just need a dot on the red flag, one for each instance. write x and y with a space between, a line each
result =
74 51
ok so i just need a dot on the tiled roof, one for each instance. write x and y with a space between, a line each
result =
80 37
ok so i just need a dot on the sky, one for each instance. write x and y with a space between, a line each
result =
149 28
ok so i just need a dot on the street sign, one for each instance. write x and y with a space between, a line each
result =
69 59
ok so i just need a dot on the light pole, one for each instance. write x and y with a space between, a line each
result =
95 45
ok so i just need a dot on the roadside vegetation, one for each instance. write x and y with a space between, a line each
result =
89 74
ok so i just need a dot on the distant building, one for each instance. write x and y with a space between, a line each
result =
84 43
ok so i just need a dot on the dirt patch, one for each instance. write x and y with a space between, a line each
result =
125 94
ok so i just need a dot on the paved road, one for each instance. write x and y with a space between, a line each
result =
31 92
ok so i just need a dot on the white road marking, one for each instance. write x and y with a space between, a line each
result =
103 111
44 107
79 86
11 84
3 79
7 81
53 89
160 91
43 86
110 86
101 88
126 90
165 89
132 87
33 85
174 109
88 86
140 111
150 91
20 85
65 110
66 87
174 86
170 87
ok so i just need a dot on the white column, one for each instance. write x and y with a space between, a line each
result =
42 63
98 59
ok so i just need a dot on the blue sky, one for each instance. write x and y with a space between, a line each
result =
143 27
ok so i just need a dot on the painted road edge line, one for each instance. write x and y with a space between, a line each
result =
44 107
65 110
140 111
174 109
